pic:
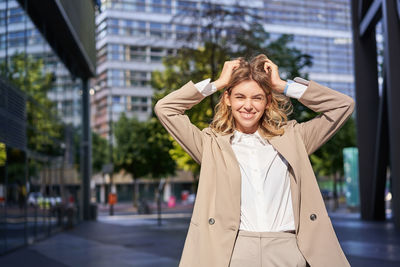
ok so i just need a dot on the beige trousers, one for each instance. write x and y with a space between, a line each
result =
266 249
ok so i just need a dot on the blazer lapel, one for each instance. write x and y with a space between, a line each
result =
232 167
283 145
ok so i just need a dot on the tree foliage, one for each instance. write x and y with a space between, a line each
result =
45 129
142 148
100 152
3 154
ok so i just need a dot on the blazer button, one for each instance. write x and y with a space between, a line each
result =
211 221
313 217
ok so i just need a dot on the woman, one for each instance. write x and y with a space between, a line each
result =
258 202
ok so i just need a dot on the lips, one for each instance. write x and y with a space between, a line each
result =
247 115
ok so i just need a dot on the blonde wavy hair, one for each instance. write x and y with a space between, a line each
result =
276 113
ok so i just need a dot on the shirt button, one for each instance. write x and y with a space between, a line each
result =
313 217
211 221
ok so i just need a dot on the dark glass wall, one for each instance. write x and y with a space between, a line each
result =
39 172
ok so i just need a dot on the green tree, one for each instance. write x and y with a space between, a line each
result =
44 129
3 154
142 149
159 145
100 152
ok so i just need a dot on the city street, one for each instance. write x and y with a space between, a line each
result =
257 108
137 240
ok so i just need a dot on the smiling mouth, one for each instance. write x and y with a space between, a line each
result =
247 115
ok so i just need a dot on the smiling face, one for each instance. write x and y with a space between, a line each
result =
248 103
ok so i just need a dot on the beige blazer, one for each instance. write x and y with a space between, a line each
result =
216 215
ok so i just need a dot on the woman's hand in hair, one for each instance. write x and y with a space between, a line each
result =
276 84
224 78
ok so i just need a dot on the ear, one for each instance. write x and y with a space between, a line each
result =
226 98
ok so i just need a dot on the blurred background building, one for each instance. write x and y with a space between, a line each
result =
133 36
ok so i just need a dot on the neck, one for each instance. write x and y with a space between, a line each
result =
247 131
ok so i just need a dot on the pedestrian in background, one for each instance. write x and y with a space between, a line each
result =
258 202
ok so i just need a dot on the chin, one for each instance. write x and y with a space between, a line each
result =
246 126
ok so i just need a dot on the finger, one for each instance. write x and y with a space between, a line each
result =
270 61
271 65
267 66
236 65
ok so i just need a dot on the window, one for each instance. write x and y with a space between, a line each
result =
136 53
115 77
141 5
136 78
156 54
156 29
156 6
116 99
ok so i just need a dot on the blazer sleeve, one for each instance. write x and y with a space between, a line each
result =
335 109
170 111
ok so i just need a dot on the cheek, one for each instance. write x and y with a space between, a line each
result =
236 103
260 107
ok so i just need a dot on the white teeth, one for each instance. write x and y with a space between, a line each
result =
247 115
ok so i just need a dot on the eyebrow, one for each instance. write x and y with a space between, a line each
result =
239 94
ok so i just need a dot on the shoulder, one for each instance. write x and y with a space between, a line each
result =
213 134
210 132
290 125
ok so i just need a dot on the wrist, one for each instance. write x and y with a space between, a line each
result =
219 84
280 86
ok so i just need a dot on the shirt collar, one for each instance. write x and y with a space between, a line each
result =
239 136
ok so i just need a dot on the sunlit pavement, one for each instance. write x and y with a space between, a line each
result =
137 240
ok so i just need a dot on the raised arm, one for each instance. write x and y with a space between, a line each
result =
335 109
170 111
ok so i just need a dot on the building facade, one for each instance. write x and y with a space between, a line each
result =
17 29
134 35
38 177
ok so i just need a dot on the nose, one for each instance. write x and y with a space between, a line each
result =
248 105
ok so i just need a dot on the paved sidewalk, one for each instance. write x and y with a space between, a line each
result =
126 208
134 240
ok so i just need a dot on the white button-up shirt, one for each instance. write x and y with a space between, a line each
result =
266 203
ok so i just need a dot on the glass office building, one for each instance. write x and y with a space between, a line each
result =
37 168
134 35
66 91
